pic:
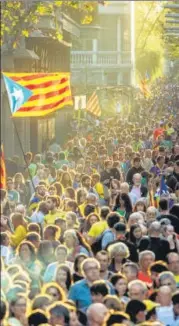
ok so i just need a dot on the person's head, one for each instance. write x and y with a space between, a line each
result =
136 162
135 218
41 301
33 227
173 262
18 178
151 213
63 276
118 251
140 206
95 179
108 165
155 229
54 290
135 233
71 206
59 314
98 290
28 157
34 238
71 219
91 199
70 238
46 251
10 184
53 202
79 258
61 156
160 160
112 219
37 317
52 191
155 269
91 269
17 220
18 306
3 310
167 279
26 251
123 201
137 290
119 281
61 223
175 301
124 187
136 310
137 178
59 188
61 254
96 314
146 258
92 219
164 296
41 190
163 204
105 210
51 232
130 270
70 193
104 260
168 230
4 239
81 196
86 181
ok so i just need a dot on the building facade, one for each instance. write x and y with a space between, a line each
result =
105 55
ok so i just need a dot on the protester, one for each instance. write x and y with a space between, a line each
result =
93 224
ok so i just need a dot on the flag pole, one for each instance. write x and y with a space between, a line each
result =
21 147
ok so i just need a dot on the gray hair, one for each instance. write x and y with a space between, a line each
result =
155 227
71 232
144 253
120 248
152 209
138 283
165 276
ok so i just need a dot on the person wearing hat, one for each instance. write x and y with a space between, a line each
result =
137 311
120 231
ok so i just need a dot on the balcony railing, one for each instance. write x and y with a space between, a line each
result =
100 58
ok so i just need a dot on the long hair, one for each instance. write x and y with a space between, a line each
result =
127 202
82 242
65 183
18 175
132 238
68 273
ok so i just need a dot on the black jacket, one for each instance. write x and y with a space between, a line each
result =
160 247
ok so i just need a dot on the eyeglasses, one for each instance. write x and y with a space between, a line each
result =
53 294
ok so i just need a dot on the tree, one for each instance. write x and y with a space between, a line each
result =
19 18
149 39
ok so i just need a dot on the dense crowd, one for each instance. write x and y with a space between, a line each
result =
90 230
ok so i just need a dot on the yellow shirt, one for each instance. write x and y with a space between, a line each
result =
177 279
97 229
50 218
18 236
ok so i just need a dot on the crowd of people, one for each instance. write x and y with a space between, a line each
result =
90 230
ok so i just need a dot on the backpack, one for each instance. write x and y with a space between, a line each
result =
97 245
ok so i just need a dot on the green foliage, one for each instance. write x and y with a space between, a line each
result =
149 39
18 18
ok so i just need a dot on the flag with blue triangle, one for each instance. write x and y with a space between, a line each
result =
17 94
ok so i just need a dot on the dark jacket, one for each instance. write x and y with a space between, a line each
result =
173 219
131 173
160 247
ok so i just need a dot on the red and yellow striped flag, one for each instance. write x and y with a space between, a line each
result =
2 170
93 106
50 92
144 88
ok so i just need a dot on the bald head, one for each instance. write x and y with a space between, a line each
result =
173 262
96 314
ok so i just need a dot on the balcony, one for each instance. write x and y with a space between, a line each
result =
99 59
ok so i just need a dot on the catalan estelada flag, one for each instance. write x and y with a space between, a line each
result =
37 94
2 169
93 105
144 88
